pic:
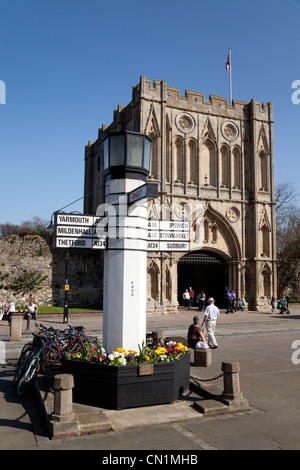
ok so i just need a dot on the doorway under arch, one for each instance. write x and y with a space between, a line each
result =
203 270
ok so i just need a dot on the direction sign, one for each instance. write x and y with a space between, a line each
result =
79 231
164 235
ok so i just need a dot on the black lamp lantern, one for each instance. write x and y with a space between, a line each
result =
126 154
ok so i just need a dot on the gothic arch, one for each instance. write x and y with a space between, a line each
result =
263 161
152 130
192 161
153 280
224 166
265 277
208 162
236 167
179 159
213 223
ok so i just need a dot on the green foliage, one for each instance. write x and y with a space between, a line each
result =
28 281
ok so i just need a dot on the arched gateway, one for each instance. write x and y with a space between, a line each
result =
203 271
207 152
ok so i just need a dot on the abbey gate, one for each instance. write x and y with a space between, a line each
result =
214 164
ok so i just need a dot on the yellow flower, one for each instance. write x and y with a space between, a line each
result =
160 350
147 358
120 350
181 347
131 352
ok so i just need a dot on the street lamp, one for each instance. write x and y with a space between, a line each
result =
126 154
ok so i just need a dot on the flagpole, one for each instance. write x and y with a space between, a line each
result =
230 84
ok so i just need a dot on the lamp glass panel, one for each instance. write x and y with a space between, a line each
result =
147 153
117 150
135 150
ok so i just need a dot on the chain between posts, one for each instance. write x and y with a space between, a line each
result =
206 380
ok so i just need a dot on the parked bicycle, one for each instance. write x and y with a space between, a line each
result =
45 352
29 365
67 340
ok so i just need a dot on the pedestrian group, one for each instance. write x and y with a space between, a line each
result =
7 310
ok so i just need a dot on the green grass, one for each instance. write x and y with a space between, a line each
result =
50 309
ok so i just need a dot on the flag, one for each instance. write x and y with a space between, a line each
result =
227 65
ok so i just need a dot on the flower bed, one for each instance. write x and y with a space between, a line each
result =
119 357
127 379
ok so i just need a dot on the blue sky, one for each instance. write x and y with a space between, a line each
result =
67 64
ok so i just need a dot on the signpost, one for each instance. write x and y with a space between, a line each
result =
80 231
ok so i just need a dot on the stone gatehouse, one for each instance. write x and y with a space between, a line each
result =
214 163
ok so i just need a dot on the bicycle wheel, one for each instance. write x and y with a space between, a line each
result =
28 376
22 362
52 356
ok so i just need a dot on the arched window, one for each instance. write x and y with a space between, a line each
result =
168 285
207 163
154 156
168 157
263 171
179 160
192 176
236 168
265 240
224 167
266 282
152 281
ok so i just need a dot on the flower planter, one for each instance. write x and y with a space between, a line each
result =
130 386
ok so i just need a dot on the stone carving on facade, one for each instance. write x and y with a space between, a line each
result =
233 214
185 123
229 131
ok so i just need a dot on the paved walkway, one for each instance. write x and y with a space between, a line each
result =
260 342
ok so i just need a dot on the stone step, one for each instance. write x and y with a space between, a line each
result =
211 407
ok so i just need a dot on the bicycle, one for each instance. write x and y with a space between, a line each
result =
70 341
29 365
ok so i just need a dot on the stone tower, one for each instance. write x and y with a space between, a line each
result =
214 162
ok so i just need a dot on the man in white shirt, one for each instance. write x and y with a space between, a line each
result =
10 310
210 320
32 309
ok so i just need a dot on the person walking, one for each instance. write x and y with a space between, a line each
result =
210 319
233 300
229 302
273 304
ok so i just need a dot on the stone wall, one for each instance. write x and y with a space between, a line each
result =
33 254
